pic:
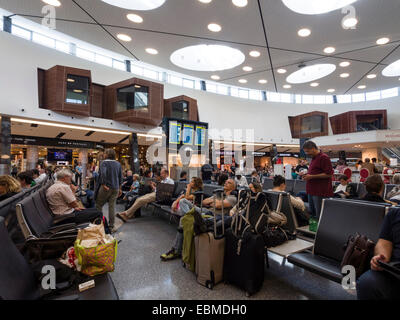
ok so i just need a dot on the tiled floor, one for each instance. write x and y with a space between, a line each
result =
140 274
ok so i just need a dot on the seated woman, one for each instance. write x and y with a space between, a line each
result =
344 189
25 179
9 186
302 215
196 184
394 194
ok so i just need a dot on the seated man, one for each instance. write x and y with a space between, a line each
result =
185 206
377 284
127 182
147 198
62 201
302 215
344 189
39 175
255 177
25 179
375 186
183 176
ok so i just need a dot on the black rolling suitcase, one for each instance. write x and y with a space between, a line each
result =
244 261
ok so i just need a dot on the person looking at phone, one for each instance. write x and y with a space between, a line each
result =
376 284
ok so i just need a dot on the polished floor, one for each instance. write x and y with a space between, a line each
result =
140 274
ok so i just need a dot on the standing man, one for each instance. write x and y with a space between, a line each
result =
109 185
318 177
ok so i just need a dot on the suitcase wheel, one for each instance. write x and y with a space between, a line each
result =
209 285
248 294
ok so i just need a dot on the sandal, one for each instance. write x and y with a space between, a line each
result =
121 217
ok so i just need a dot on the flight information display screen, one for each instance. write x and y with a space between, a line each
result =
200 135
187 135
174 132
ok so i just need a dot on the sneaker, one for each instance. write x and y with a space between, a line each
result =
170 255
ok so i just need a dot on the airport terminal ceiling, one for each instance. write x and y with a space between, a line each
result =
357 54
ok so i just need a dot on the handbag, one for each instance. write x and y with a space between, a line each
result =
275 236
277 218
358 252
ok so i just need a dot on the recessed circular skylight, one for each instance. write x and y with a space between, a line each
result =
371 76
350 22
331 90
304 32
362 87
136 4
344 64
316 6
152 51
255 54
329 50
207 57
344 75
262 81
287 86
215 77
214 27
392 70
134 18
247 68
311 73
54 3
382 41
124 37
314 84
242 80
240 3
281 71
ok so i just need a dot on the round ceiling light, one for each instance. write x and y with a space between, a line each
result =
316 6
240 3
350 22
136 4
54 3
151 51
215 77
344 75
371 76
247 68
262 81
124 37
207 57
134 18
281 71
314 84
214 27
242 80
392 70
331 90
304 32
255 54
344 64
362 87
205 1
311 73
329 50
287 86
382 41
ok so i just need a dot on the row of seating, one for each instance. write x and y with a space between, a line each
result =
17 280
292 186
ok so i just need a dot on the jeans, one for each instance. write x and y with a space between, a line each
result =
315 204
378 285
109 196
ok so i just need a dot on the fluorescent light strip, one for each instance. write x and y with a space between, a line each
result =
243 143
149 135
59 125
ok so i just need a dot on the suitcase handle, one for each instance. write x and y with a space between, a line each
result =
221 191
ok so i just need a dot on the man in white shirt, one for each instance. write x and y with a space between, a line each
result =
147 198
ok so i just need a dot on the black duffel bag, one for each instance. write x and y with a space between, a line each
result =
275 236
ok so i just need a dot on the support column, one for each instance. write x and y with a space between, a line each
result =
7 24
32 156
134 153
83 159
5 146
